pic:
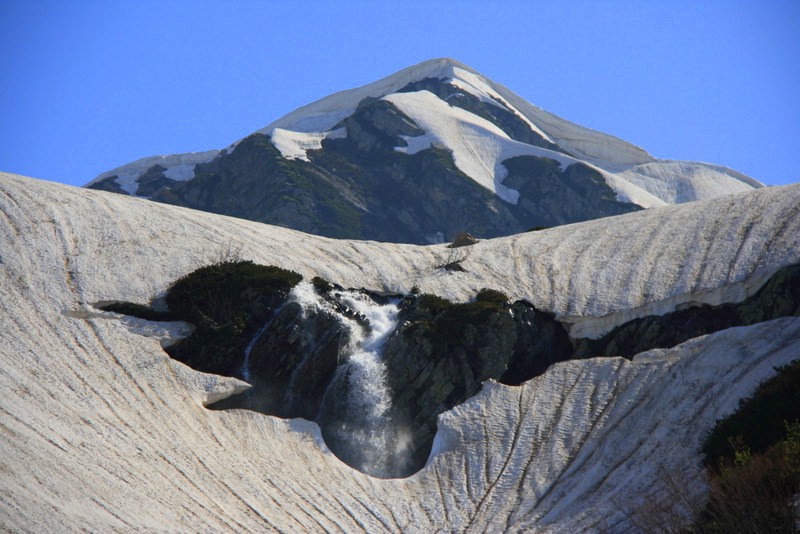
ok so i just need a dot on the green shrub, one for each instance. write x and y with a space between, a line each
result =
491 296
219 292
321 285
760 421
752 494
446 322
433 304
753 459
227 302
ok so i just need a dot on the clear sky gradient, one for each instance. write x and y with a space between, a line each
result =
87 86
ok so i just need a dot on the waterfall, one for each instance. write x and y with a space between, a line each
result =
368 392
245 372
364 422
373 439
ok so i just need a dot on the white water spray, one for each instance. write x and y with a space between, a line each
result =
249 348
373 439
369 393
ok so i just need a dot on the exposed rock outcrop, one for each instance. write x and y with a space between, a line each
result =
779 297
291 362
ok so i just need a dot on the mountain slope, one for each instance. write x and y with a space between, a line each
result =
102 431
385 161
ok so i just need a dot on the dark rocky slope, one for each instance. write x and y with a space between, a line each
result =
360 187
779 297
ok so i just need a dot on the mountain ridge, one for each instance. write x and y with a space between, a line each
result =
365 140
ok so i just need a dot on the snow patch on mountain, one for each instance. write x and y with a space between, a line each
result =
178 167
475 84
627 191
604 150
477 144
181 173
684 181
479 147
295 145
324 114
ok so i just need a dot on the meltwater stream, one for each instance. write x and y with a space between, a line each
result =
245 372
363 423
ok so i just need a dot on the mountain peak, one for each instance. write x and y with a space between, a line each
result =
437 140
441 67
325 113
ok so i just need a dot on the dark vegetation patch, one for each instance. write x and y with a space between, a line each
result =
109 184
321 285
153 180
256 182
550 196
226 302
753 458
760 421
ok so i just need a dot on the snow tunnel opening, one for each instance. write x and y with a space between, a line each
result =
375 370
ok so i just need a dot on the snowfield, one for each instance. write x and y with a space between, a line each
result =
178 167
102 431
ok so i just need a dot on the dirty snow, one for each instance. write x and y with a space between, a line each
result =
102 431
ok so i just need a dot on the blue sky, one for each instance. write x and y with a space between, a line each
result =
86 86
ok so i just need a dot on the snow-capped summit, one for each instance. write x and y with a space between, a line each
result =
418 156
325 113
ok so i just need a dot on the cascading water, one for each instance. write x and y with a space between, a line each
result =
360 426
245 372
